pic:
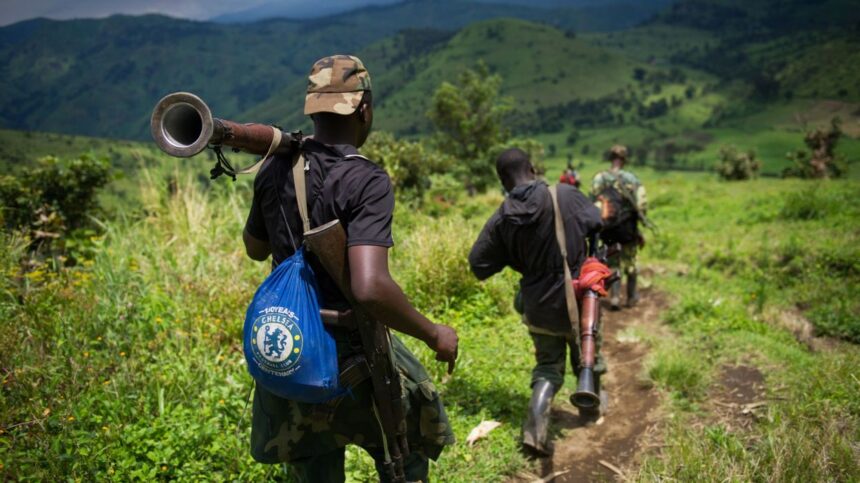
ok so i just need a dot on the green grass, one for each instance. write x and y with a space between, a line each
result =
129 366
735 256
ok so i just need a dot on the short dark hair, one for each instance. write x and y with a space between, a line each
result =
513 161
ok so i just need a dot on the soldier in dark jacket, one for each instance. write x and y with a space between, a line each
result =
521 235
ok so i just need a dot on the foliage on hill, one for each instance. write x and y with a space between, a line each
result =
102 77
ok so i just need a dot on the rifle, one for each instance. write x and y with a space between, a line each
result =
328 242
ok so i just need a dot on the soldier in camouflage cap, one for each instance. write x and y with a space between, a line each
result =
342 184
336 84
623 204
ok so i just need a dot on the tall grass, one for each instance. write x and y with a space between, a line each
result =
749 251
129 366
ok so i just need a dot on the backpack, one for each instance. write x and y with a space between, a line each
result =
618 212
288 350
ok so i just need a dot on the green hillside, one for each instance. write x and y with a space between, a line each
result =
702 74
541 67
102 77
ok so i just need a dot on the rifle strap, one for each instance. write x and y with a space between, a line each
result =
277 135
569 296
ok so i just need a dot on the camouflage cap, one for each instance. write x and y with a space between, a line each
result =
618 151
336 84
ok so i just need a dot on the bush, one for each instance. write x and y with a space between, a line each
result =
736 165
821 160
53 200
410 164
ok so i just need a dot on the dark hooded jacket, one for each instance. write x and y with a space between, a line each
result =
521 235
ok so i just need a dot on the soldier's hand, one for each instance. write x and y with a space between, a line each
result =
445 345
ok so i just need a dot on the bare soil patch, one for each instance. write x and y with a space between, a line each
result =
600 451
739 398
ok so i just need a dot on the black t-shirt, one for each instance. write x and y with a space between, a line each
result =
521 235
353 190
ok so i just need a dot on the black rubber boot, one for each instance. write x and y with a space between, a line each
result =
632 293
536 427
615 295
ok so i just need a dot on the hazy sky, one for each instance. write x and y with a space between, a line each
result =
12 11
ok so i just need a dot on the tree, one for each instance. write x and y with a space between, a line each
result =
821 161
409 164
468 117
737 165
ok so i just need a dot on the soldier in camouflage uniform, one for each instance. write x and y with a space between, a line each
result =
616 191
344 185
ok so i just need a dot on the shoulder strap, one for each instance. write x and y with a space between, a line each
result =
570 298
299 169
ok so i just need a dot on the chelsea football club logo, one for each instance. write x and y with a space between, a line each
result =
278 341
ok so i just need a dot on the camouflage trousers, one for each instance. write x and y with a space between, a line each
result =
312 438
625 260
551 360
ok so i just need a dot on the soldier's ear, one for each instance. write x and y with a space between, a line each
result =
364 112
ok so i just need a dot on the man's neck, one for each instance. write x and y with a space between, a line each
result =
327 135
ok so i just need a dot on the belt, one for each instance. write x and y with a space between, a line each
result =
338 319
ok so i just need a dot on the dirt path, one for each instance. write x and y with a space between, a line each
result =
632 414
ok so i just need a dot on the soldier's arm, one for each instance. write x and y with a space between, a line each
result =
487 256
641 199
378 293
596 186
255 236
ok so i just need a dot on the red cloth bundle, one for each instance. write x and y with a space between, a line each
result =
592 276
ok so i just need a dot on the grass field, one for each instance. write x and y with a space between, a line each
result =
129 366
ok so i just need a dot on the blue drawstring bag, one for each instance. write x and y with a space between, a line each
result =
288 350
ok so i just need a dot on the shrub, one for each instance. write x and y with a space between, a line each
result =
821 161
53 200
736 165
410 164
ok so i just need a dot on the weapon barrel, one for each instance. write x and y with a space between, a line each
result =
182 125
586 395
